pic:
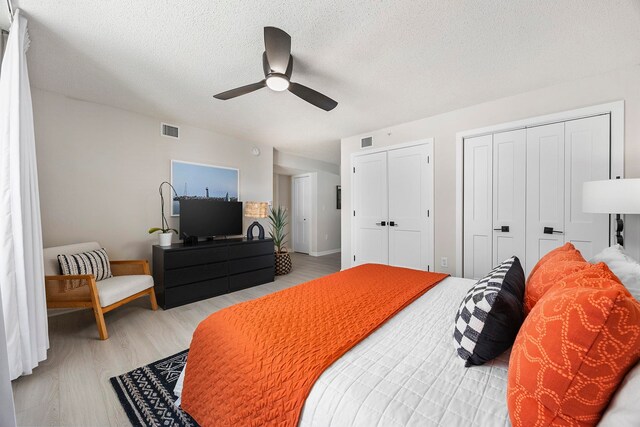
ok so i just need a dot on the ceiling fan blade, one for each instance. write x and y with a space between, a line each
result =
242 90
289 67
267 69
312 97
277 44
265 64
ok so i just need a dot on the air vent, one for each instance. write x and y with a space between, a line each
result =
366 142
170 131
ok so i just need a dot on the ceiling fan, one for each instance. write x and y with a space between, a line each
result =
277 63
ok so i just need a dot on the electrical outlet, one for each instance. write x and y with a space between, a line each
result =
444 262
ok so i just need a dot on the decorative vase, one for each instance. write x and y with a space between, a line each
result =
164 239
283 263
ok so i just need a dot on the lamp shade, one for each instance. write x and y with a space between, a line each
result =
612 196
256 209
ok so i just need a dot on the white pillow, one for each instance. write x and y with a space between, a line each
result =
623 409
626 268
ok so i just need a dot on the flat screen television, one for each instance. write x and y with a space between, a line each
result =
209 218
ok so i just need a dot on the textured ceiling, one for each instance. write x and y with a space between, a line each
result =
385 62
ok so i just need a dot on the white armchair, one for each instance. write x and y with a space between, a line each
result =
131 280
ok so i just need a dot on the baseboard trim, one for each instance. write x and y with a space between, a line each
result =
323 253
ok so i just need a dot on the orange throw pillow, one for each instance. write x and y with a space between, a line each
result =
554 266
594 276
551 254
572 352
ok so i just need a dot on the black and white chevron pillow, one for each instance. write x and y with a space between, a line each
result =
92 262
491 314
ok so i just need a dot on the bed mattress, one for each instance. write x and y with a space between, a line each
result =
407 373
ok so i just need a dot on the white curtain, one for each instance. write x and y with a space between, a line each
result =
21 262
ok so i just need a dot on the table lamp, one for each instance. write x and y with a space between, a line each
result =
612 196
256 210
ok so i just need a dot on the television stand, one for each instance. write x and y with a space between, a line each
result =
187 273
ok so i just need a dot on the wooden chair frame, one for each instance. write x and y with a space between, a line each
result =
81 291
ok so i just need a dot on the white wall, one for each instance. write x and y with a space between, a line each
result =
325 218
99 169
282 197
299 164
327 215
620 84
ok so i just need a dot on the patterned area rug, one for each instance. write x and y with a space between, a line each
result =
146 393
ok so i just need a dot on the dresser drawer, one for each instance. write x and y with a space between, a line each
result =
251 249
180 295
195 256
197 273
252 278
249 264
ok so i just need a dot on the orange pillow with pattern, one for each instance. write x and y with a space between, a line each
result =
551 268
594 276
572 352
551 254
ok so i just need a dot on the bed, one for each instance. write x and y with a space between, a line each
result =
407 373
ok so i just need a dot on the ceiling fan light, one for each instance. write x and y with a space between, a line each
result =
277 82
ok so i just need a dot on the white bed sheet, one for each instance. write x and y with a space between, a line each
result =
407 373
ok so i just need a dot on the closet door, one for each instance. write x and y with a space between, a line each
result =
370 198
478 206
545 191
509 193
410 210
587 156
301 201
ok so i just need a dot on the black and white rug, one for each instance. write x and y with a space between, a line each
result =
146 393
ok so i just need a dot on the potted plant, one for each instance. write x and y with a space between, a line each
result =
164 238
278 220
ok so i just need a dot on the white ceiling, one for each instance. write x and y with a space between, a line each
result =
385 62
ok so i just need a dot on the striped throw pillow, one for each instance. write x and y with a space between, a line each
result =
92 262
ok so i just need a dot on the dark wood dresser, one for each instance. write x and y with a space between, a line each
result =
185 274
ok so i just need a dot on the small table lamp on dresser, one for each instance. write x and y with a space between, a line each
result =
256 210
612 196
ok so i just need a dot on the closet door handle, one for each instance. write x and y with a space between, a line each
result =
550 230
382 223
504 229
392 224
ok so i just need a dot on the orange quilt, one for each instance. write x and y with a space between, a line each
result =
254 363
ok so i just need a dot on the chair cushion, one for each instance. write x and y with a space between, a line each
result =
50 255
118 288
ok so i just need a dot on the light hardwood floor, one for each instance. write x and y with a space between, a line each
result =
71 388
